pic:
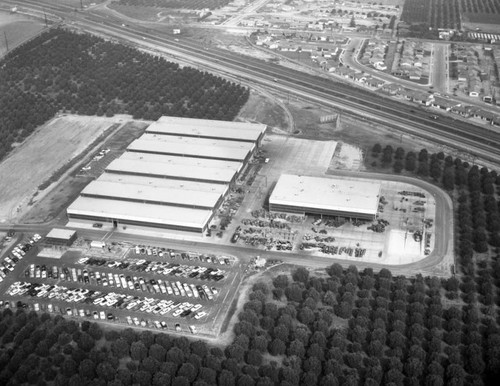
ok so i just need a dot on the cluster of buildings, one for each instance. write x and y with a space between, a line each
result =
320 49
356 76
177 174
174 177
475 68
374 54
412 62
468 69
438 102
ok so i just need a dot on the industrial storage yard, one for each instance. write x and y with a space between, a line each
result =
229 190
222 199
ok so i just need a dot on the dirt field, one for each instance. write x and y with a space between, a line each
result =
263 110
40 155
17 28
57 199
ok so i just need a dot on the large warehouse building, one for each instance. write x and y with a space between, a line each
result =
351 198
193 147
174 176
204 128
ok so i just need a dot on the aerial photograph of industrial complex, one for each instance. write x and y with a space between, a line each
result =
249 192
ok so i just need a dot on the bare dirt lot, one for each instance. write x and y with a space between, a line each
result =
17 29
40 155
58 198
263 110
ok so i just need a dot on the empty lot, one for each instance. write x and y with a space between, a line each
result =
49 148
17 29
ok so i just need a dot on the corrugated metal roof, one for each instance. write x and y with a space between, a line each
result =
207 128
188 148
347 195
174 171
197 141
132 211
129 191
164 183
185 161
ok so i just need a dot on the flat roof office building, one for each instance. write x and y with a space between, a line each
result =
353 198
59 236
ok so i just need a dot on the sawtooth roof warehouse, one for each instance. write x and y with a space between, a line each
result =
174 176
352 198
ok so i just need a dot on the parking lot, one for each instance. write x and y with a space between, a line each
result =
150 287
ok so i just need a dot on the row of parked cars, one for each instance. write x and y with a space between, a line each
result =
191 256
9 262
104 279
159 307
97 315
158 267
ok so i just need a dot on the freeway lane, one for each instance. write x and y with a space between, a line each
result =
360 103
479 141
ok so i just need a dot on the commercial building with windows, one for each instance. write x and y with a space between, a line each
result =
353 198
174 177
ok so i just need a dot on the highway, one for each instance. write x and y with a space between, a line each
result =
478 141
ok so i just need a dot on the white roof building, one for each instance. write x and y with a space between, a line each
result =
197 147
178 171
173 177
152 195
132 213
59 233
235 131
326 196
165 183
187 162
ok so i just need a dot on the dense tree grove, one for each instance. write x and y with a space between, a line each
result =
83 74
475 191
347 327
435 13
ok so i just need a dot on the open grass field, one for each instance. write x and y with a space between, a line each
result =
45 151
17 29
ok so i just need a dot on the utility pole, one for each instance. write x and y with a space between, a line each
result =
6 42
45 17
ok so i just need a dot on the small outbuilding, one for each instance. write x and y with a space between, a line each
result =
58 236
